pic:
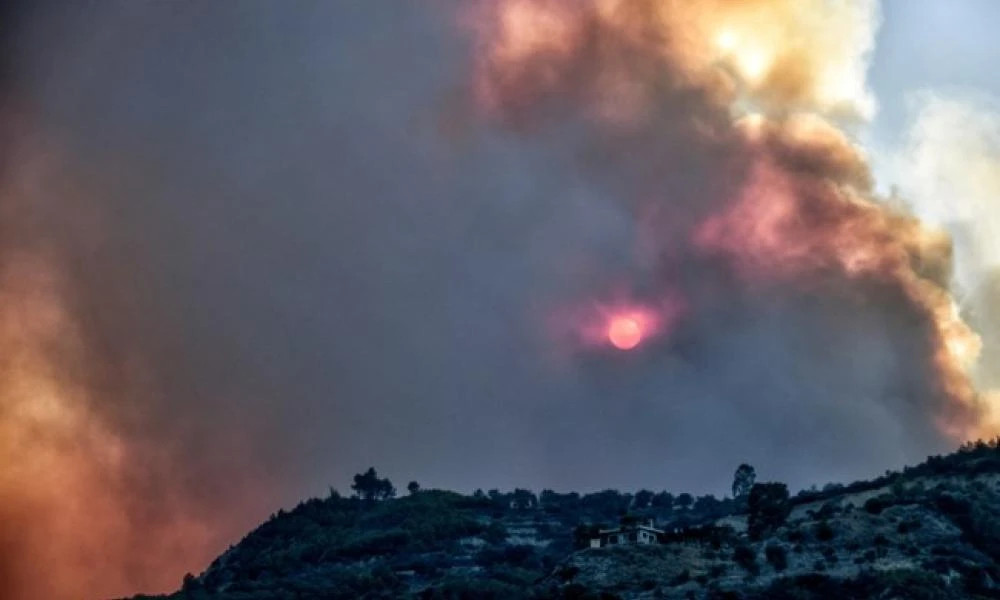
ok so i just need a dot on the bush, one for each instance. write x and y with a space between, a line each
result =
908 525
516 556
682 578
875 506
745 557
828 510
768 507
495 533
824 532
190 583
459 589
796 536
777 556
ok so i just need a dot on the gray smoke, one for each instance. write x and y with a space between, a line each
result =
286 234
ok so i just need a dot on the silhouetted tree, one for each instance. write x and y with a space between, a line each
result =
643 498
768 506
746 557
368 486
628 520
524 499
708 504
663 500
413 487
608 504
685 500
777 556
583 534
743 480
190 584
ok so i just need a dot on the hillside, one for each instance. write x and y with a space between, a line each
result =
930 531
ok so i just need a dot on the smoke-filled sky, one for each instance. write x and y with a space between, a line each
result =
251 248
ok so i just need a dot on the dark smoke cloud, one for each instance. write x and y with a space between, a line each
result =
291 250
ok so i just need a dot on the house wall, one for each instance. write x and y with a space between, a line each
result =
628 537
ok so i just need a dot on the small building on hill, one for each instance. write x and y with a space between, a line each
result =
627 534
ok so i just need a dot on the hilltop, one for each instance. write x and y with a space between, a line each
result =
929 531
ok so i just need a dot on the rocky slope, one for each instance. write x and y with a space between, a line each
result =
931 531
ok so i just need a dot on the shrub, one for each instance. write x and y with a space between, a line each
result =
908 525
190 583
574 591
495 533
745 557
777 556
828 510
876 505
824 532
768 507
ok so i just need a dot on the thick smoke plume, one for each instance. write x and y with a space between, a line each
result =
251 248
777 219
949 174
89 505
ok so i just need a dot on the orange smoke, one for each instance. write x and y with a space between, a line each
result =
750 98
86 511
782 55
64 486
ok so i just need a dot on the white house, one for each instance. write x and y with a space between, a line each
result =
645 533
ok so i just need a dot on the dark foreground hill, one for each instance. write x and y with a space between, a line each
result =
928 532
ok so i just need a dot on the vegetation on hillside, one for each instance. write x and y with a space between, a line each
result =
930 531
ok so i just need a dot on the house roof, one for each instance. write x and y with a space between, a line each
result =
630 528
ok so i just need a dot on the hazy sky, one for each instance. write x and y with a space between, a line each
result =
930 44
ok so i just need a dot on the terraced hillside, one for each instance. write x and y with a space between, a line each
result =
931 531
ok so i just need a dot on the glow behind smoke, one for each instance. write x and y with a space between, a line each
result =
801 212
624 332
766 279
